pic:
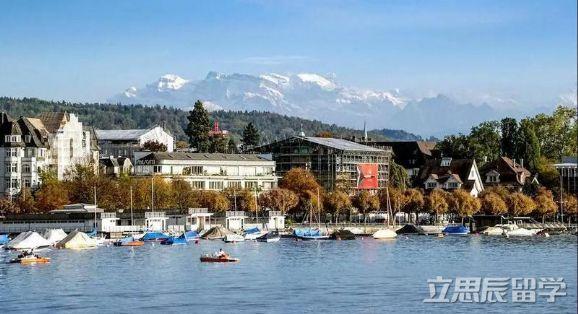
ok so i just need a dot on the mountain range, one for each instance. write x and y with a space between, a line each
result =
314 96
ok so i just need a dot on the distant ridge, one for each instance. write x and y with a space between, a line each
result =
273 126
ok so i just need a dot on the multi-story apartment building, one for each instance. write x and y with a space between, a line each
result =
211 171
29 145
124 143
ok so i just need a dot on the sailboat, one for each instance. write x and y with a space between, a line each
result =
388 232
312 233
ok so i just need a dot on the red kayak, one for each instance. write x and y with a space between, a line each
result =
211 259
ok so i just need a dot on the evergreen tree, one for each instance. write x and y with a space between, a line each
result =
250 136
198 127
232 147
508 144
528 145
218 144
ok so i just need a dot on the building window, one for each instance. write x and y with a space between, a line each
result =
26 168
446 161
27 183
12 152
193 170
15 184
431 185
234 184
27 138
492 178
251 185
198 185
453 185
157 169
215 185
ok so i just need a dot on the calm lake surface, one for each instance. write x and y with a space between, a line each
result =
365 276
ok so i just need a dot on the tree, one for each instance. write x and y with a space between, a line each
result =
570 206
198 127
456 146
528 145
547 173
7 206
509 142
336 202
154 146
413 201
218 144
398 176
493 204
215 201
183 196
25 201
303 183
396 197
545 204
162 193
326 134
80 181
365 202
250 136
436 203
520 204
181 145
464 204
244 199
51 195
282 200
232 146
484 140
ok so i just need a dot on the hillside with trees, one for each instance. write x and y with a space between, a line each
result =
272 126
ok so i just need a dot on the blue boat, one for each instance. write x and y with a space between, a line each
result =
154 236
310 234
456 230
191 236
4 239
181 240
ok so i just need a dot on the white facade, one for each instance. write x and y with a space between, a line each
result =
211 171
125 143
70 144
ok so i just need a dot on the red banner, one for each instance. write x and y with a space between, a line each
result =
367 176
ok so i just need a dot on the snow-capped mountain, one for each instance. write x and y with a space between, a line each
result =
312 96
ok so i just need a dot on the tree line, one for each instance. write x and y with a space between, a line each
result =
538 141
299 195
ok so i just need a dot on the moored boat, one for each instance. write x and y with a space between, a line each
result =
233 237
216 258
181 240
310 234
31 259
343 234
456 230
253 233
271 236
154 237
129 241
382 234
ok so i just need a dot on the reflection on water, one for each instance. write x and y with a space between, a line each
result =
364 275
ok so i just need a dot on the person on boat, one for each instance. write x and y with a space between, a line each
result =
222 254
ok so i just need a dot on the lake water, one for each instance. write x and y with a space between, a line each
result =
364 275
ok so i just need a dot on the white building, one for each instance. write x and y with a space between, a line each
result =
30 145
211 171
450 174
124 143
70 142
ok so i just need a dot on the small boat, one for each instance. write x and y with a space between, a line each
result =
519 232
232 238
154 237
217 259
4 239
456 230
382 234
30 259
191 236
343 234
310 234
253 233
182 240
129 241
271 236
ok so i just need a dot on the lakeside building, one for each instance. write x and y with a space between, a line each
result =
124 143
336 163
115 166
214 171
568 169
412 155
506 172
55 141
450 174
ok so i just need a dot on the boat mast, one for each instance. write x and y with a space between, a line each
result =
95 206
153 193
318 211
389 211
131 218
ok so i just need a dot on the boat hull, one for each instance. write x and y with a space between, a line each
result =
208 259
28 261
131 243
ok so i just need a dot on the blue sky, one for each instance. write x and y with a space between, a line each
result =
89 50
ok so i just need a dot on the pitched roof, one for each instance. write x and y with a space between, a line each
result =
203 156
53 121
121 135
459 167
515 166
341 144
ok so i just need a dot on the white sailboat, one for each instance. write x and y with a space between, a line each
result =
388 232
